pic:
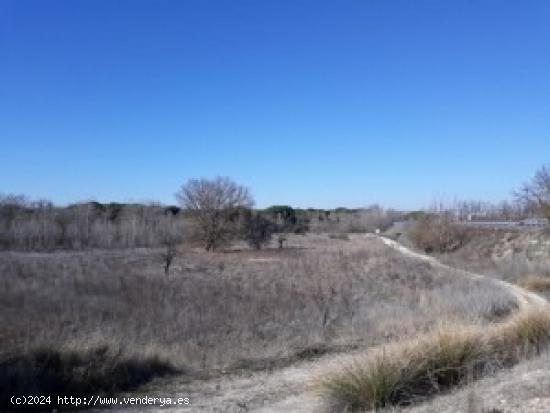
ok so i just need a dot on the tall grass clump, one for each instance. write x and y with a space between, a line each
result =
523 336
365 386
413 371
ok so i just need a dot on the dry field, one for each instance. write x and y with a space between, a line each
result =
104 321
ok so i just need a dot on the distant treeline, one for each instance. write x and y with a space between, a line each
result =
338 220
40 225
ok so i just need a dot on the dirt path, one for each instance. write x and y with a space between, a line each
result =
287 389
525 298
284 390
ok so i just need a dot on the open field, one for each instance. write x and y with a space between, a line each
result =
499 342
232 311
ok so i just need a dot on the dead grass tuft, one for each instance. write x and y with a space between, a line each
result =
415 370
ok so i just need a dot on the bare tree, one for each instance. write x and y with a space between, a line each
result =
213 204
536 193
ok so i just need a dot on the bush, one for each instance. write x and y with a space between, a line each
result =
437 233
256 230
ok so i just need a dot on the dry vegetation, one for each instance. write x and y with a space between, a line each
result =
27 225
520 257
102 298
116 316
412 371
523 388
536 283
437 232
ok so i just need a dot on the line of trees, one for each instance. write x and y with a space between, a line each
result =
40 225
221 211
481 210
212 212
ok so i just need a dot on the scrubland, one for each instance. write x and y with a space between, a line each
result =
103 320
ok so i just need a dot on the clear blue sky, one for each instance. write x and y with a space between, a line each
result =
309 103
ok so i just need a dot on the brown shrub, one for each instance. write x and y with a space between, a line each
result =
437 233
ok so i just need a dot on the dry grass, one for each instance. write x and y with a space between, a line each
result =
511 255
437 233
523 388
229 310
412 371
535 283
